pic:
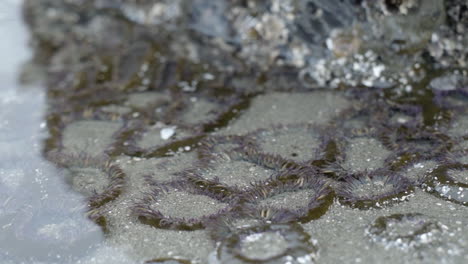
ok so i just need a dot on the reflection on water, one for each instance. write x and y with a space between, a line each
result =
41 219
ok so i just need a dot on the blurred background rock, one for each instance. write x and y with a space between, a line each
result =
291 44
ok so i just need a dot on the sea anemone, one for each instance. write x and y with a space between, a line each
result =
97 177
358 154
181 205
281 201
456 174
417 172
373 189
298 143
458 154
235 175
212 148
223 167
418 142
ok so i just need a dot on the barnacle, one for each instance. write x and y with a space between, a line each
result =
405 231
399 22
375 189
180 205
315 18
280 201
266 243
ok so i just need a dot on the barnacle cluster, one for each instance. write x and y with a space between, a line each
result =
206 122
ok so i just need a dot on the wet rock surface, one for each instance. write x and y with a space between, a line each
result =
331 128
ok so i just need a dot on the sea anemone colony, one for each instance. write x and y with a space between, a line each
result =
277 176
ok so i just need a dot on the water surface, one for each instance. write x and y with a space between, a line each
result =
41 219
